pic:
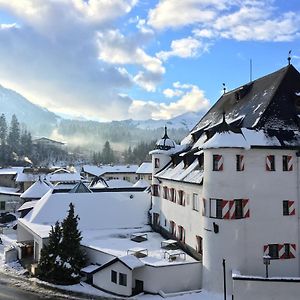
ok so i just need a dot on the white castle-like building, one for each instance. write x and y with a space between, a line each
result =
231 191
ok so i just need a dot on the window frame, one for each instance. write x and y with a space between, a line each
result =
114 276
155 190
216 158
275 249
272 167
218 213
2 205
197 206
285 208
239 160
181 197
238 209
122 279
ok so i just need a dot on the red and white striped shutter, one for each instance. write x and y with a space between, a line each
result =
268 162
183 198
246 210
183 234
281 251
242 162
225 209
291 205
292 250
231 209
220 162
266 250
290 163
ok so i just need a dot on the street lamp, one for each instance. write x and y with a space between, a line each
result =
266 260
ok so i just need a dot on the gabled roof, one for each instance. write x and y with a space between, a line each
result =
258 103
37 190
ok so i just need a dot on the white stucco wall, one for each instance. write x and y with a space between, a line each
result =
275 290
184 216
170 279
241 241
102 279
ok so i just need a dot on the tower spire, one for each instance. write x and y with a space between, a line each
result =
289 57
166 133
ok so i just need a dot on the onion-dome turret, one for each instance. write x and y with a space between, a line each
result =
165 143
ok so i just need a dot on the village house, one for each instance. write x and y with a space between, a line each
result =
125 256
144 172
230 190
111 172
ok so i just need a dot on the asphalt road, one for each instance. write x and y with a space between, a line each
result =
13 289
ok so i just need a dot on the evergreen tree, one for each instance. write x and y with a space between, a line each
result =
72 257
49 267
13 139
3 129
107 154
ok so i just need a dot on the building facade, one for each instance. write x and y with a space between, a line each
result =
230 190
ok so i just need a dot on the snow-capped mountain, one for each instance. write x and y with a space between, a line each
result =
28 113
42 122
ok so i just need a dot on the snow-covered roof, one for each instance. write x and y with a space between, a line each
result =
9 191
37 190
145 168
117 243
226 140
60 176
96 210
118 183
178 148
27 205
11 171
101 170
131 261
90 268
245 140
190 174
141 183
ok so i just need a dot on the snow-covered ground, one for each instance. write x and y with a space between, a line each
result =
17 277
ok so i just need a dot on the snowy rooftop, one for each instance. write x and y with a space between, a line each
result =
27 205
61 175
141 183
11 171
145 168
190 174
118 183
9 191
37 190
245 140
178 148
98 171
118 242
96 210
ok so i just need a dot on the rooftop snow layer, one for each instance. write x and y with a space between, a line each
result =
9 191
145 168
118 242
37 190
190 174
141 183
95 210
99 171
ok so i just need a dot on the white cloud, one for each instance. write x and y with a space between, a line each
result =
186 47
115 48
192 100
52 57
171 93
178 13
247 20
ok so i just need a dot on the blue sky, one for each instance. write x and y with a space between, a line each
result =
120 59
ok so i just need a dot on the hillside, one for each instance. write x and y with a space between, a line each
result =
86 134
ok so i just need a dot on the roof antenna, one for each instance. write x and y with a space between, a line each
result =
250 69
289 57
224 88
